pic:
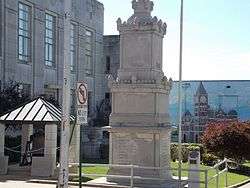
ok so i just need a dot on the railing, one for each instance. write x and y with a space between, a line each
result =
219 172
132 177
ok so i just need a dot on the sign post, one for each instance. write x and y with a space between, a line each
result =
82 117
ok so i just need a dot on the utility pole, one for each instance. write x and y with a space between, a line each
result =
65 122
180 97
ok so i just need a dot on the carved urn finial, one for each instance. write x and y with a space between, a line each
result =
142 7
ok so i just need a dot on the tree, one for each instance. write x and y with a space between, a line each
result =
228 139
11 97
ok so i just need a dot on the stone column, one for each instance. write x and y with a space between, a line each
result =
27 131
45 166
74 149
74 145
3 160
50 144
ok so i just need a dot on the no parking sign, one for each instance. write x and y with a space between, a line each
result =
82 103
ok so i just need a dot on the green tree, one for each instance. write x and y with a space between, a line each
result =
11 97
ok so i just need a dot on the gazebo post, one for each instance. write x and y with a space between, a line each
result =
45 166
27 131
3 159
74 149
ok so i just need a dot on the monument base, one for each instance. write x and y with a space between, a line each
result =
146 147
172 183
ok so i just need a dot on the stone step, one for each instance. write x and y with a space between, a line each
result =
19 170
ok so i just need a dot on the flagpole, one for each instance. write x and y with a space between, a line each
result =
180 97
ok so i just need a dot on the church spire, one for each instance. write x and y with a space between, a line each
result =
201 90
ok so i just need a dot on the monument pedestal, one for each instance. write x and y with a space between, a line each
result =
139 128
141 146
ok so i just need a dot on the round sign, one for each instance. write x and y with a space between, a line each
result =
82 94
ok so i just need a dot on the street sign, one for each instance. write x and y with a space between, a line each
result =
82 103
82 94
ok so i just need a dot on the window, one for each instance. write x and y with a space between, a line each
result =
107 65
50 93
72 101
73 39
24 32
88 55
107 96
49 40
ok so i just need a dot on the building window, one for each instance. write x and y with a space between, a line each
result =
24 32
72 101
49 40
73 40
89 51
107 96
107 65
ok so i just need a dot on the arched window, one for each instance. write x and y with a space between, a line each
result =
185 138
196 138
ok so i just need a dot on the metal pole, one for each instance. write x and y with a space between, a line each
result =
65 122
179 96
206 179
80 157
217 178
226 174
132 177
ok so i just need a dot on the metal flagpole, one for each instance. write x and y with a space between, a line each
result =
65 122
180 97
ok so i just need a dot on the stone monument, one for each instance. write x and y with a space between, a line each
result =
139 121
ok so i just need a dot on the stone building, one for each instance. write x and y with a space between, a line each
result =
31 52
193 125
31 46
111 53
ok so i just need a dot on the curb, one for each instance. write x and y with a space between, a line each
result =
240 184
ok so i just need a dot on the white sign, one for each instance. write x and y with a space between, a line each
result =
82 94
82 103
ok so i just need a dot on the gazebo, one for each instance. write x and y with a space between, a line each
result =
36 112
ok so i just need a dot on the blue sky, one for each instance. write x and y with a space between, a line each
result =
216 36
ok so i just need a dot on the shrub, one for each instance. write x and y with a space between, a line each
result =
209 159
186 148
174 152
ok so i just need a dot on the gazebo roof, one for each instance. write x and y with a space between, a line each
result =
38 110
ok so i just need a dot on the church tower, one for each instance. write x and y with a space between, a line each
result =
201 105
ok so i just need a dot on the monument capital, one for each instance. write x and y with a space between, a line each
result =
142 20
142 7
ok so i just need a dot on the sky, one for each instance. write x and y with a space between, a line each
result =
216 43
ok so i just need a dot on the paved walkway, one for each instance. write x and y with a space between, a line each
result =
23 184
246 186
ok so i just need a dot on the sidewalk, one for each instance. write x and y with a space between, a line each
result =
24 184
245 186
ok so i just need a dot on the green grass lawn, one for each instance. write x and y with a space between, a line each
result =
233 178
